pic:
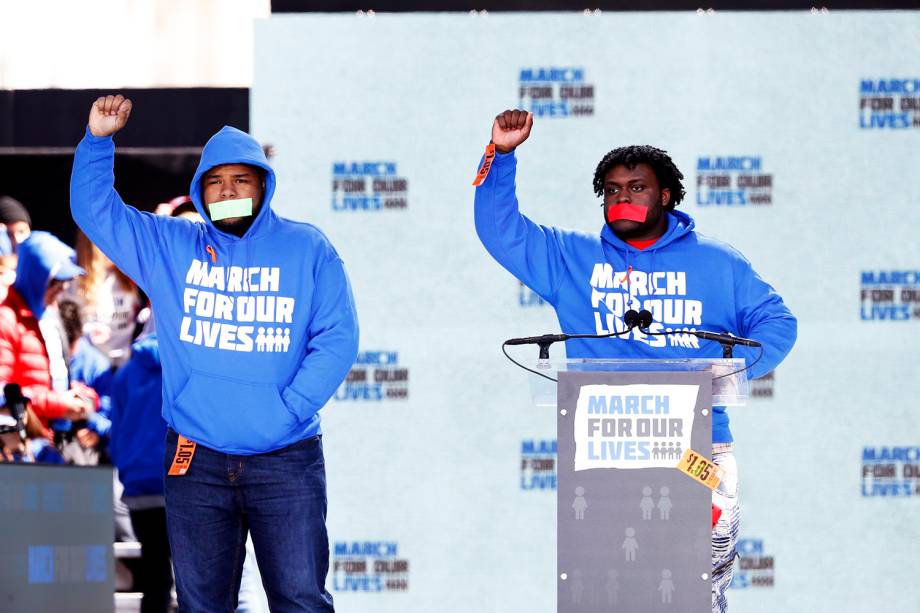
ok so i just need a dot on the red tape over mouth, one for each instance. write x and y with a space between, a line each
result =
625 210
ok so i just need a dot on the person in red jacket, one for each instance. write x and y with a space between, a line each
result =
45 266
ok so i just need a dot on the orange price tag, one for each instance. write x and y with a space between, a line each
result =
700 469
486 165
182 461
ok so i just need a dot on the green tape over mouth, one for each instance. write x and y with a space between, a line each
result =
226 209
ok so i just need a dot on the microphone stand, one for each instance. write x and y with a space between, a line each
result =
641 320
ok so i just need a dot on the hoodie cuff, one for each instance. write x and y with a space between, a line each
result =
504 163
89 137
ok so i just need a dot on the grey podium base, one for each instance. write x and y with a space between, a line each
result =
632 540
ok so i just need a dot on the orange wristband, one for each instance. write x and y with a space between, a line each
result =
486 165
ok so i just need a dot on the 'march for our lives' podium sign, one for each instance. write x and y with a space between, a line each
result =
633 532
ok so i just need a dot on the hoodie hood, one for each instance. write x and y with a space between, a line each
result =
146 352
40 258
679 225
232 146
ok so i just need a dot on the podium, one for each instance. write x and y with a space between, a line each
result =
634 532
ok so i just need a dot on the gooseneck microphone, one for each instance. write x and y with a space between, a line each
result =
719 337
725 339
537 340
633 319
641 319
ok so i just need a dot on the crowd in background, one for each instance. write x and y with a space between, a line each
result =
80 371
68 322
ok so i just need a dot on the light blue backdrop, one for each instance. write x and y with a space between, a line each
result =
434 481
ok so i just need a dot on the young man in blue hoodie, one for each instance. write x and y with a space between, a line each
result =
257 328
647 256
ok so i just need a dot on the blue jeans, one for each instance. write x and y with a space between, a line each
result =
278 497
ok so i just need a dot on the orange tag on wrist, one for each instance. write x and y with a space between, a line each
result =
486 165
700 469
182 461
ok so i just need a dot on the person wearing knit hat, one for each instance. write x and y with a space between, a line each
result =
15 220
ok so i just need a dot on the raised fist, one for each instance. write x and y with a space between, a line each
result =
108 115
510 129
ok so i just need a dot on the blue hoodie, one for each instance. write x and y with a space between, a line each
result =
138 433
256 332
686 280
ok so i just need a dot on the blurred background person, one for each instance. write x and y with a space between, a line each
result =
180 206
110 302
15 221
44 267
88 366
7 265
137 446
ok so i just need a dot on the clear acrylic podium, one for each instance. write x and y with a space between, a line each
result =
633 532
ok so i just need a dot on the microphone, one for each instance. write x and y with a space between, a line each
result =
642 318
16 403
537 340
645 319
631 318
726 338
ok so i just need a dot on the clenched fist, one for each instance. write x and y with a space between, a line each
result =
510 129
108 115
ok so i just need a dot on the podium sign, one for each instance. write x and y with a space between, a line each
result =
633 532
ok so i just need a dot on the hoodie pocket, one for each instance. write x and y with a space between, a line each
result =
233 415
